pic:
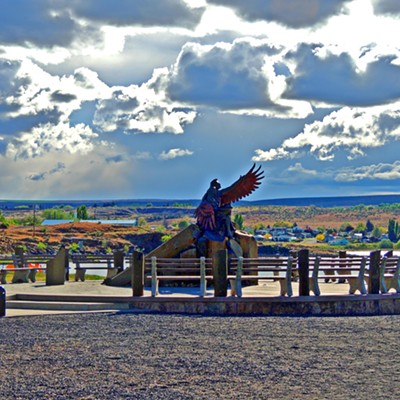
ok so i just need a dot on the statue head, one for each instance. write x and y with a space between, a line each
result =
215 184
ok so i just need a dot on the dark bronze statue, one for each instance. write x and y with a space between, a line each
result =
214 212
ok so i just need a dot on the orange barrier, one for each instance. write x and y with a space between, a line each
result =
36 266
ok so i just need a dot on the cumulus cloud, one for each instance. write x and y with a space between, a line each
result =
48 138
241 77
29 90
383 171
322 76
351 130
292 13
174 153
141 109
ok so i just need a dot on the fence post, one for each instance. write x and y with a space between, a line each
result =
303 263
119 260
2 302
220 272
55 271
19 251
342 254
137 273
374 263
66 263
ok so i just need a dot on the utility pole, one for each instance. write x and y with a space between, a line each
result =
34 220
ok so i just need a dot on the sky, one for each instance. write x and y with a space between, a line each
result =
152 99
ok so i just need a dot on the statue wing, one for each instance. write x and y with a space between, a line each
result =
205 216
245 185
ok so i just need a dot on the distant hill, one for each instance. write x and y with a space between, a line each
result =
326 202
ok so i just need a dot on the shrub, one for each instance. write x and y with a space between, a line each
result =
165 238
386 244
183 224
74 247
41 246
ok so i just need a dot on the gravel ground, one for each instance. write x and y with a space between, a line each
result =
150 356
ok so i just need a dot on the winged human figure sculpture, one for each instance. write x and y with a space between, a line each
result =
214 212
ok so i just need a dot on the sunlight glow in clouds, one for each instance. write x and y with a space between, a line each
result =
108 84
350 129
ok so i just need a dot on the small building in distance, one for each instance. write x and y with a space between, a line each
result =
50 222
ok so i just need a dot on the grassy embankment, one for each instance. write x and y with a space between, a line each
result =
41 277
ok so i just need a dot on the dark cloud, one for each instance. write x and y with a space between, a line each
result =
115 159
58 168
41 176
334 79
227 77
387 7
37 177
293 13
62 97
48 23
41 22
138 12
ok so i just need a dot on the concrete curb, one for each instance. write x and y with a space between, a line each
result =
327 305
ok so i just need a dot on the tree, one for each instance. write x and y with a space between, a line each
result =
360 228
141 222
376 232
56 213
393 230
82 213
238 220
183 224
346 227
370 226
3 222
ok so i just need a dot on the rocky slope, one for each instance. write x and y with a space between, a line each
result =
90 237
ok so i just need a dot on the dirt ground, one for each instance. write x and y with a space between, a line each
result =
151 356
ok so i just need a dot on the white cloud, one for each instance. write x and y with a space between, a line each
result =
381 171
174 153
29 90
299 169
296 174
142 109
352 130
48 138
